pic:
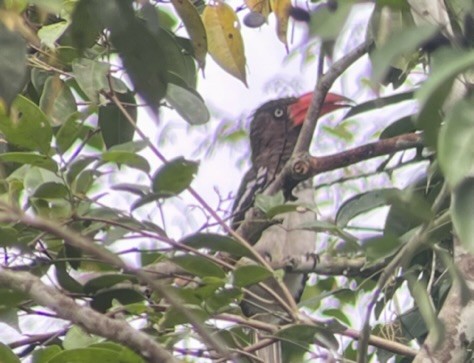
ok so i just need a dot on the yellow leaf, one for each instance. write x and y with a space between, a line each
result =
280 8
195 28
224 39
259 6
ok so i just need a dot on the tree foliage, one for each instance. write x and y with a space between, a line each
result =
73 75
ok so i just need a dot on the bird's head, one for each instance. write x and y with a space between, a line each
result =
276 124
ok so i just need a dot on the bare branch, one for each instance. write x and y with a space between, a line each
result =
89 319
306 166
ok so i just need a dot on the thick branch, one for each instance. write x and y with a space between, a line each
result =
305 167
92 321
457 315
12 215
326 264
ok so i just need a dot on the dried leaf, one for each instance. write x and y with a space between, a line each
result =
195 28
224 39
259 6
281 9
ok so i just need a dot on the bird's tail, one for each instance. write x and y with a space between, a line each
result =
270 353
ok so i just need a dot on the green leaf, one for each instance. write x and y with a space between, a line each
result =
281 209
424 303
141 53
250 274
174 317
327 23
102 300
77 338
462 210
190 106
199 266
11 298
328 227
106 281
49 34
338 314
83 355
43 355
406 41
51 190
7 355
401 126
91 75
78 166
266 202
125 354
68 134
65 280
126 158
379 102
40 161
28 128
140 190
178 55
296 340
8 237
85 28
380 247
57 101
175 176
216 243
455 145
363 203
447 64
114 126
12 65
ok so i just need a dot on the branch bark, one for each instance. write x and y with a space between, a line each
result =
89 319
457 315
304 166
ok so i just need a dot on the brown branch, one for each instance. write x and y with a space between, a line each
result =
320 91
12 215
306 166
92 321
374 340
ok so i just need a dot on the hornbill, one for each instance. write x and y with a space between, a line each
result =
274 130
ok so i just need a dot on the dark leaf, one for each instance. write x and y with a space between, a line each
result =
216 243
250 274
175 176
462 210
27 127
102 300
12 65
363 203
114 125
199 266
57 101
106 281
191 107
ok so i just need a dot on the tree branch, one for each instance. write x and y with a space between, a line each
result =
320 91
92 321
13 215
306 166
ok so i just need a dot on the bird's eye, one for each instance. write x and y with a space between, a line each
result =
278 112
